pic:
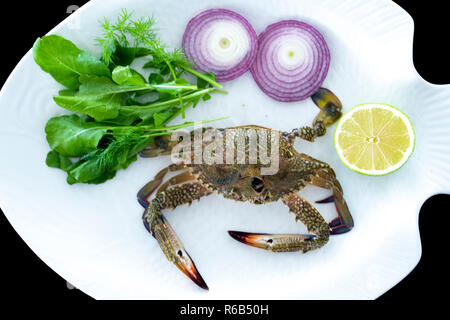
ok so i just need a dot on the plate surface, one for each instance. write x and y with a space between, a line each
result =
93 235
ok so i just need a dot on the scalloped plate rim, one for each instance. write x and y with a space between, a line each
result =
87 6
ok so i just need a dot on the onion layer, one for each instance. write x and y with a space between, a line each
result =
220 41
292 61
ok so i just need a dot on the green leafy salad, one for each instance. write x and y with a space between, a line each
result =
117 111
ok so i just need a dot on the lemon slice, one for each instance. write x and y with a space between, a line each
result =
374 139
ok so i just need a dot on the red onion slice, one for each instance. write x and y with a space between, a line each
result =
292 61
220 41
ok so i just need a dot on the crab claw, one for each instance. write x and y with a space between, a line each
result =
147 190
344 222
273 242
329 199
174 251
330 106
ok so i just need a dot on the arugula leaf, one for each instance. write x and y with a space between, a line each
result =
93 85
102 99
155 78
124 56
130 114
127 76
67 92
65 61
102 164
206 97
112 147
121 55
161 118
58 161
159 65
73 136
174 87
99 107
131 81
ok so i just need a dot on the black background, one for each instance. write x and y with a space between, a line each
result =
24 277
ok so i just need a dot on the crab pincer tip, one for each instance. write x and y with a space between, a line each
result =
329 199
202 284
190 270
239 236
195 276
258 240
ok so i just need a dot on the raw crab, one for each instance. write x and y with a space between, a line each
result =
244 182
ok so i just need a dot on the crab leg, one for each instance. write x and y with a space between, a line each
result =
304 212
147 190
159 227
327 179
162 146
330 112
178 179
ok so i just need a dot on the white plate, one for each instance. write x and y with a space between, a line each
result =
93 235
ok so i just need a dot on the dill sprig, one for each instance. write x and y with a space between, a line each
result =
126 33
140 33
136 33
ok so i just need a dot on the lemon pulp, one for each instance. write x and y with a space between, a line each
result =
374 139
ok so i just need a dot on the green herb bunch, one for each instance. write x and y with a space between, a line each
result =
117 111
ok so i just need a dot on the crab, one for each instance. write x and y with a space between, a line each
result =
245 182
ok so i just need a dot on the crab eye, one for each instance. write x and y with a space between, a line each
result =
257 184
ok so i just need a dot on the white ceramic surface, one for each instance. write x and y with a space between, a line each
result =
93 235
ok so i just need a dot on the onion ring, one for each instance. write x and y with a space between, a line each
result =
220 41
292 61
